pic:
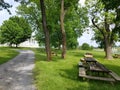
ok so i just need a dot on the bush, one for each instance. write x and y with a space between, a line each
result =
86 46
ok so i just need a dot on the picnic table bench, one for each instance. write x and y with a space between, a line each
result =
97 67
89 64
82 73
117 55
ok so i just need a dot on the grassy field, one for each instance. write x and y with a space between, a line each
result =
6 54
60 74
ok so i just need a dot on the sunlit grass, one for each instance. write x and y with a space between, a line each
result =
6 54
60 74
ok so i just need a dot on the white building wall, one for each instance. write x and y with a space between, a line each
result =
29 43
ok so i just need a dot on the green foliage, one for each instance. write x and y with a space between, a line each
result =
111 4
75 20
106 17
86 46
14 31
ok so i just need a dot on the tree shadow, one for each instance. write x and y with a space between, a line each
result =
70 73
91 84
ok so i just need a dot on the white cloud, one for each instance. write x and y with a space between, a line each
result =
86 38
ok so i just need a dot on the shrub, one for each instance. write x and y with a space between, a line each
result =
86 46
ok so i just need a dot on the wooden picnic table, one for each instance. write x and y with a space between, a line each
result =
89 67
99 68
89 59
94 66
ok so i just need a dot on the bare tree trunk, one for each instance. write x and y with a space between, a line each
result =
63 29
108 50
46 31
108 41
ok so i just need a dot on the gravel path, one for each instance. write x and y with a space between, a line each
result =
17 73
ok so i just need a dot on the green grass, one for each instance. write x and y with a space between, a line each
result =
6 54
60 74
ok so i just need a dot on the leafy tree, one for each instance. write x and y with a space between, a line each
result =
62 16
46 31
106 22
86 46
15 31
99 39
74 22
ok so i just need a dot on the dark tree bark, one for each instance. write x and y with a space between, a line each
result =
46 31
62 15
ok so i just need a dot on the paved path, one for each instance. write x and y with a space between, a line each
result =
17 73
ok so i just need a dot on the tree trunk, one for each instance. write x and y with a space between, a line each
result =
46 31
63 30
16 45
108 41
108 50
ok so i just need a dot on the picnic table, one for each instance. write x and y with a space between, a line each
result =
90 68
95 66
90 59
117 55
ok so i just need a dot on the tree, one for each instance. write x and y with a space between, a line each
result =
62 16
86 46
14 31
106 22
65 7
111 5
74 22
98 37
46 31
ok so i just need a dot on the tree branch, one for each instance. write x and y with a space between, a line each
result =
93 22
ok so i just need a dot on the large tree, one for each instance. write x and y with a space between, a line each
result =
106 22
62 16
15 31
74 21
46 31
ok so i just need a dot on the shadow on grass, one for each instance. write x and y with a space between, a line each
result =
114 68
92 84
70 73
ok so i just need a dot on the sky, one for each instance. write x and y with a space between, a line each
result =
85 38
4 15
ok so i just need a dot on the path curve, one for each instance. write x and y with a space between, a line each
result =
17 74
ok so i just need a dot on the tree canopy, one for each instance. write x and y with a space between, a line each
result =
106 21
14 31
75 21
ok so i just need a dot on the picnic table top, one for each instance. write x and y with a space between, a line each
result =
98 68
90 59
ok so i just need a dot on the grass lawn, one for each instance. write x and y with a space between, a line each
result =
6 54
60 74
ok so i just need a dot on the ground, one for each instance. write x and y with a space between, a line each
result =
17 74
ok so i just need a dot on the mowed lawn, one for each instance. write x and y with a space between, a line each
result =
7 54
60 74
